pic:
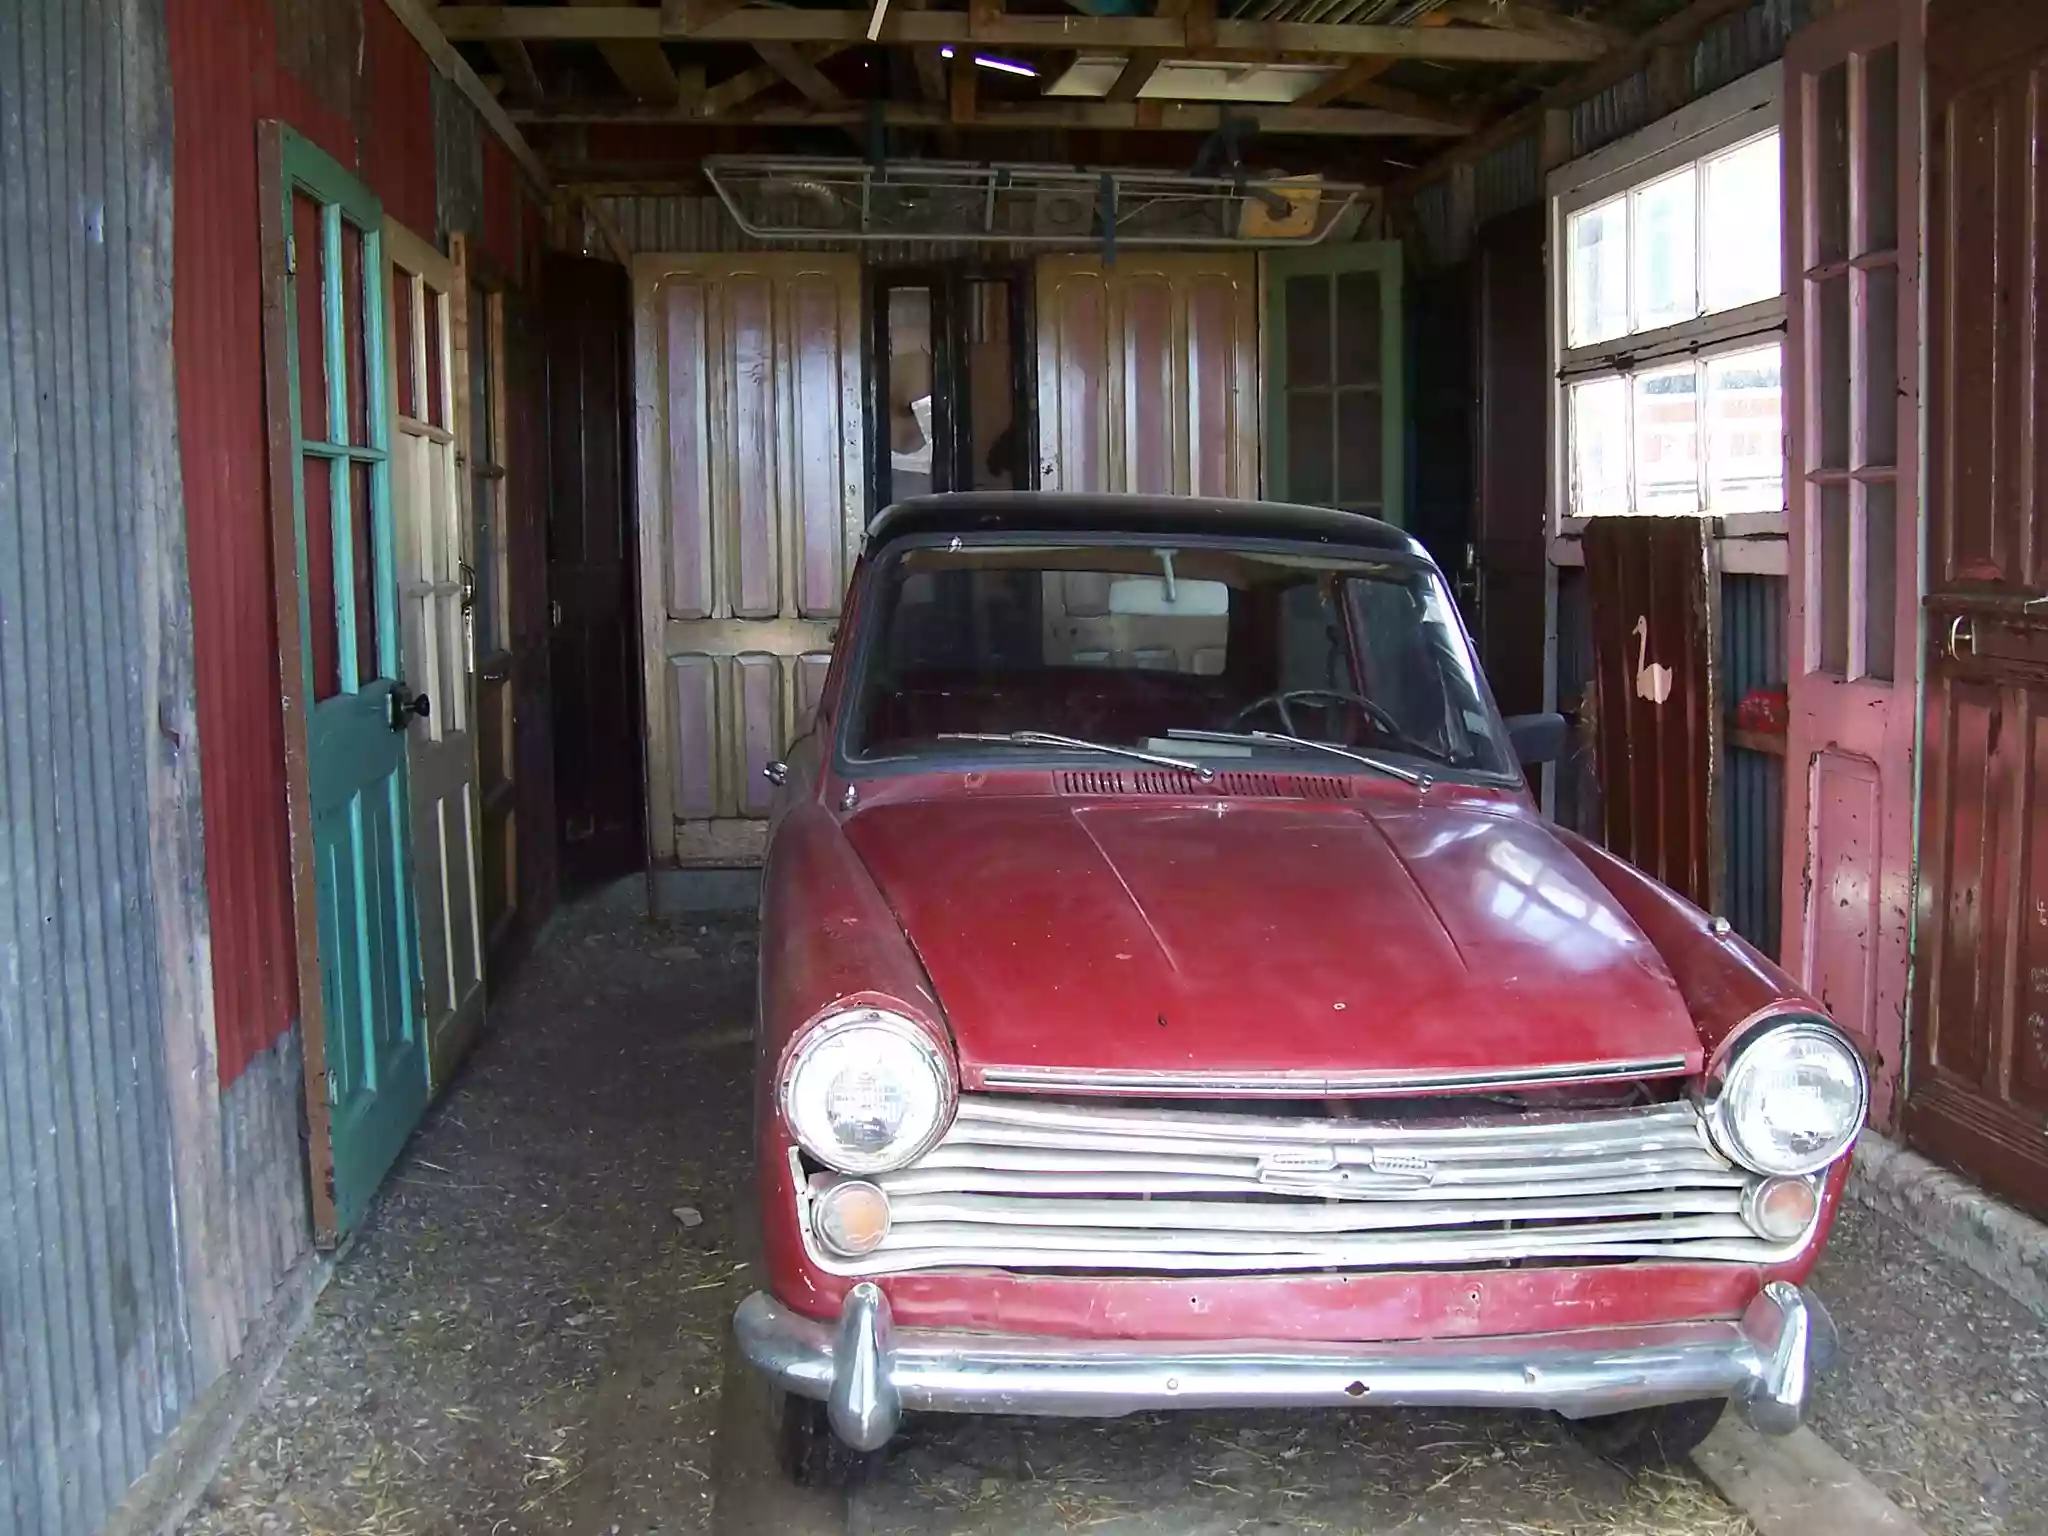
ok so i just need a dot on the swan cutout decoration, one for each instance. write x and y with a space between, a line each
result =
1653 679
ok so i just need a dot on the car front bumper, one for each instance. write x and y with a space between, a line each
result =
868 1371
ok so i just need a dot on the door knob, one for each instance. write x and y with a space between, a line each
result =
776 773
403 710
1962 636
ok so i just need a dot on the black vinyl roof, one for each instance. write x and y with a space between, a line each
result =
1081 512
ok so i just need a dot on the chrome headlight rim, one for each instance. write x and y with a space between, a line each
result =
1721 1129
902 1025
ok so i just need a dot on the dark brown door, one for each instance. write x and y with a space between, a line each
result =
1507 557
594 660
1979 1091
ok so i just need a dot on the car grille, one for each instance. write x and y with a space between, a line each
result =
1026 1184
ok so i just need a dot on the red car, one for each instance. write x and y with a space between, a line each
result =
1172 997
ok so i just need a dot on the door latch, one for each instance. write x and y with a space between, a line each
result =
404 710
1962 636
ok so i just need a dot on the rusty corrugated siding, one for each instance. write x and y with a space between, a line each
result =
225 78
93 1347
1753 656
398 123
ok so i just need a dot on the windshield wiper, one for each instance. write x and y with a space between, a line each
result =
1076 744
1392 770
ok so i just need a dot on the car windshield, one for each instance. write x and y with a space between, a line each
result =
1198 652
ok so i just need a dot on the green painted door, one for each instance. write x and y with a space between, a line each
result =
375 1061
1334 427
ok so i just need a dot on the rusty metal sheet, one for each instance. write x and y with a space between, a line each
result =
1649 585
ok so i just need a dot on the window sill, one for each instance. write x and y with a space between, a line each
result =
1741 554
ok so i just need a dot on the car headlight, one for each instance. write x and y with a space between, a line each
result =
867 1090
1791 1099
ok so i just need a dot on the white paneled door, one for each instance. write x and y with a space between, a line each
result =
436 586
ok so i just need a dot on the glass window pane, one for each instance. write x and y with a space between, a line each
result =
1667 440
1598 424
355 340
1308 330
1597 253
1358 328
1834 578
1745 432
1741 244
404 289
1881 149
1310 449
436 384
484 490
1361 468
308 285
1665 243
912 455
1831 377
323 617
1830 140
483 427
362 524
1881 367
1880 582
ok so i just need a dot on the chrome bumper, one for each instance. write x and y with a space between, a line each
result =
867 1371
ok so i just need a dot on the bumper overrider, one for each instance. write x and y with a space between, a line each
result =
868 1372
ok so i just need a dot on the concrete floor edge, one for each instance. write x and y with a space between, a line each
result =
2005 1246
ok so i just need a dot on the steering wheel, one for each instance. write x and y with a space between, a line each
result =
1279 701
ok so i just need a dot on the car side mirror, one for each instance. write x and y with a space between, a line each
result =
1537 738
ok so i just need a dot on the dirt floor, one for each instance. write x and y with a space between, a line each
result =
528 1335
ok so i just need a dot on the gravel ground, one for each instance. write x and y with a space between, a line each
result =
1941 1394
528 1333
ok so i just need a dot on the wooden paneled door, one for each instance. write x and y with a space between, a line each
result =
346 712
1334 420
593 656
435 584
1850 146
1148 374
1979 1086
747 422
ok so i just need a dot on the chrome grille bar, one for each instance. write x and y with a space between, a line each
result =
1024 1184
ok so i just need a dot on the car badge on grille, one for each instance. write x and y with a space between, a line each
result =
1317 1171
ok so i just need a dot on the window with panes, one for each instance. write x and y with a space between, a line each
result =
1669 317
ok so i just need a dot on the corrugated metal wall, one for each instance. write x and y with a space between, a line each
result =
1753 783
93 1346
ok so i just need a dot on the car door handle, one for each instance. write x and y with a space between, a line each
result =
404 711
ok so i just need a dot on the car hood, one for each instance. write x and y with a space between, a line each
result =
1322 942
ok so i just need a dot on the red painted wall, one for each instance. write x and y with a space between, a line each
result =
225 79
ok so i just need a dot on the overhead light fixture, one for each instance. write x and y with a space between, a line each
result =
1007 66
946 52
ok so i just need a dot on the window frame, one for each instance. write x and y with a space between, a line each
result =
1726 118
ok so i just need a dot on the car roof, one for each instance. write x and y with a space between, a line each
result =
1149 516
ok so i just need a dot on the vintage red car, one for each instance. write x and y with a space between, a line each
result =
1172 996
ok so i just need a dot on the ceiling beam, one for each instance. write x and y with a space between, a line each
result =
1355 83
1138 69
1165 116
1681 27
643 69
960 107
680 18
1525 16
455 69
788 61
597 21
724 99
522 80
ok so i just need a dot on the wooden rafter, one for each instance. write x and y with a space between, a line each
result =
1525 16
1165 116
522 80
724 99
789 61
1138 69
597 21
455 69
1614 66
643 69
961 106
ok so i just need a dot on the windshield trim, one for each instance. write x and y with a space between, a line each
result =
876 563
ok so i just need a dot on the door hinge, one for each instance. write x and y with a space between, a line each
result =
333 1090
291 255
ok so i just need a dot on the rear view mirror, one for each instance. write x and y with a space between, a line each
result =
1537 738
